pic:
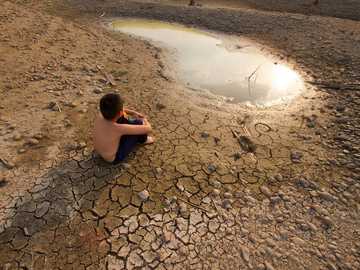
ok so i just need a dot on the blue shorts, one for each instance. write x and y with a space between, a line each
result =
128 142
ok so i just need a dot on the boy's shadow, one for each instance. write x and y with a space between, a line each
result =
66 191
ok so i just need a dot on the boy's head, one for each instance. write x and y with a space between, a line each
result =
110 105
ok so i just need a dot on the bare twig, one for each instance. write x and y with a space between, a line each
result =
58 106
249 78
194 205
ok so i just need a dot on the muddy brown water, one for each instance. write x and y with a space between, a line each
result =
239 71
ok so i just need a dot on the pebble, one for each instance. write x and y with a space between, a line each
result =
226 204
326 196
215 192
215 183
206 200
125 165
17 137
3 182
33 142
327 221
266 191
245 254
38 136
182 208
144 195
204 135
227 195
211 168
301 182
21 151
81 145
180 187
98 90
296 156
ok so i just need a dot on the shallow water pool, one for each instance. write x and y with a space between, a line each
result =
242 73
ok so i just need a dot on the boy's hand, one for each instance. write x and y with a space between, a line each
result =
140 115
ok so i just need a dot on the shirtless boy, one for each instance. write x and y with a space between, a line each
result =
118 130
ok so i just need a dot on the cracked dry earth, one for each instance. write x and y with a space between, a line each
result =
194 199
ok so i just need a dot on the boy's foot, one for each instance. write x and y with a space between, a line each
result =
149 140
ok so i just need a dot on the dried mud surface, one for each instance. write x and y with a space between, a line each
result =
194 199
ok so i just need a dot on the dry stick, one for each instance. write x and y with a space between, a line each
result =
216 207
249 78
58 106
194 205
107 76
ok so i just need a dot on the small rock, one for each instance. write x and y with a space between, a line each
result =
160 106
328 223
266 191
215 183
226 204
144 195
206 200
245 254
38 136
33 142
3 182
81 145
296 156
17 137
211 168
227 195
237 156
215 192
180 186
204 135
312 226
26 232
158 170
54 106
301 182
21 151
167 202
126 166
98 90
182 208
326 196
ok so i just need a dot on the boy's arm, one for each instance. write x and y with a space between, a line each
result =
134 112
134 129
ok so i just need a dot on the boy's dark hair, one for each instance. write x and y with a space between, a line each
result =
110 105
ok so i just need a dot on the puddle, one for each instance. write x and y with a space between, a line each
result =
204 61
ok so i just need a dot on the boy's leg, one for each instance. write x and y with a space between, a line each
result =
126 145
128 142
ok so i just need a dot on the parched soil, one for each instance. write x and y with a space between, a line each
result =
195 199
